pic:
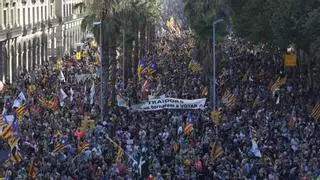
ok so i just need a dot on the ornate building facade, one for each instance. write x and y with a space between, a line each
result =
33 30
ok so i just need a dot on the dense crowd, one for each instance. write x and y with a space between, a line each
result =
153 143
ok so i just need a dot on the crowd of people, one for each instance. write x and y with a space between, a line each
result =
153 145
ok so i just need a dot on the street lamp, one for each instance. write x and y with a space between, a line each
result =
103 90
214 63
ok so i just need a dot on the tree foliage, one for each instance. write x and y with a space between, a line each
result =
278 23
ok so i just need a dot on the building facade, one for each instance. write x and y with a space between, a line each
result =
33 30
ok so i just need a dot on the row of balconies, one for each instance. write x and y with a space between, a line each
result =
16 31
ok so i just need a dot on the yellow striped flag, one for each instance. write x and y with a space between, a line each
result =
2 123
16 157
216 151
229 99
119 155
7 132
315 113
59 148
188 129
216 116
85 146
277 84
13 141
22 110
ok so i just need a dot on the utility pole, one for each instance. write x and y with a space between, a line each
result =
213 87
104 71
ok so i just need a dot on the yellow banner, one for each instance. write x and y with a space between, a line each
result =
290 60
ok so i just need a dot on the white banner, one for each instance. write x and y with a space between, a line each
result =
169 103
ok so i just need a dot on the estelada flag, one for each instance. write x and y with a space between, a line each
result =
59 148
85 146
188 129
315 113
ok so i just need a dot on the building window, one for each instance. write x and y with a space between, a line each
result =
12 18
38 17
33 14
29 16
24 16
42 18
70 9
45 13
64 10
18 16
51 11
5 17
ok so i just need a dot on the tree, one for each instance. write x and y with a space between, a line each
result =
120 19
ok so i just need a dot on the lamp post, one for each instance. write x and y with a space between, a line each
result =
214 63
103 83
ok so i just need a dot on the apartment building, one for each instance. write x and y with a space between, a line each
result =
31 31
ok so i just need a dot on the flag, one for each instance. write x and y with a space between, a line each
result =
32 89
62 96
155 91
32 171
216 115
194 66
61 76
205 92
177 30
59 147
254 148
9 118
85 146
7 131
141 67
315 113
2 123
22 110
15 155
59 64
229 99
119 155
19 100
154 67
170 24
188 129
92 93
13 141
216 151
277 84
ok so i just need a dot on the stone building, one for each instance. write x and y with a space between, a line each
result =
33 30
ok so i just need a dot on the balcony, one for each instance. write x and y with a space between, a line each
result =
26 29
15 31
35 27
52 22
10 33
67 18
43 25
